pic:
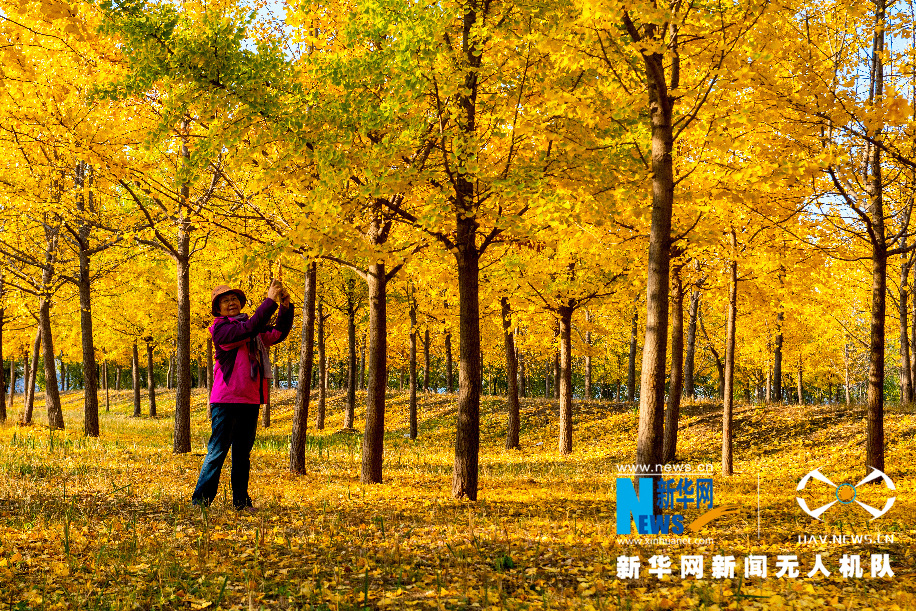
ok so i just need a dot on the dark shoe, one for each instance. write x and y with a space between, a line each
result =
245 505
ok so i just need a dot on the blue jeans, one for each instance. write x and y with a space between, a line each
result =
234 425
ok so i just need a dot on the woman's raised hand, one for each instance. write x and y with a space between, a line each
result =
276 291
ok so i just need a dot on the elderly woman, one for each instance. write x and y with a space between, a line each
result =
240 384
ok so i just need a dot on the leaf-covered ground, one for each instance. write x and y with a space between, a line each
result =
107 523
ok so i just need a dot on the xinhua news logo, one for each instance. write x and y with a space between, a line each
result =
670 494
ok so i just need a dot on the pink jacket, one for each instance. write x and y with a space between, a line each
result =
238 357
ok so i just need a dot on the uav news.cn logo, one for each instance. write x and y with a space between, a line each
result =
845 494
640 507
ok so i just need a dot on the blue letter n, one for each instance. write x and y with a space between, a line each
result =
630 504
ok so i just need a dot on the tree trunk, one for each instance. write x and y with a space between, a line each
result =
652 383
12 383
912 342
565 313
182 432
322 371
556 372
169 366
377 366
514 422
412 410
676 380
690 352
351 360
846 368
136 379
427 357
522 376
467 439
306 357
777 359
588 359
30 379
800 388
362 363
631 369
729 386
547 367
266 414
119 372
105 384
874 456
906 383
52 396
449 376
2 371
150 378
90 383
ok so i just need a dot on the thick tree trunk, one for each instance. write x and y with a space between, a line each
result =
631 363
136 380
467 439
31 378
565 313
729 386
322 371
377 370
874 453
351 360
306 358
652 384
514 421
676 380
449 366
150 378
412 408
690 352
